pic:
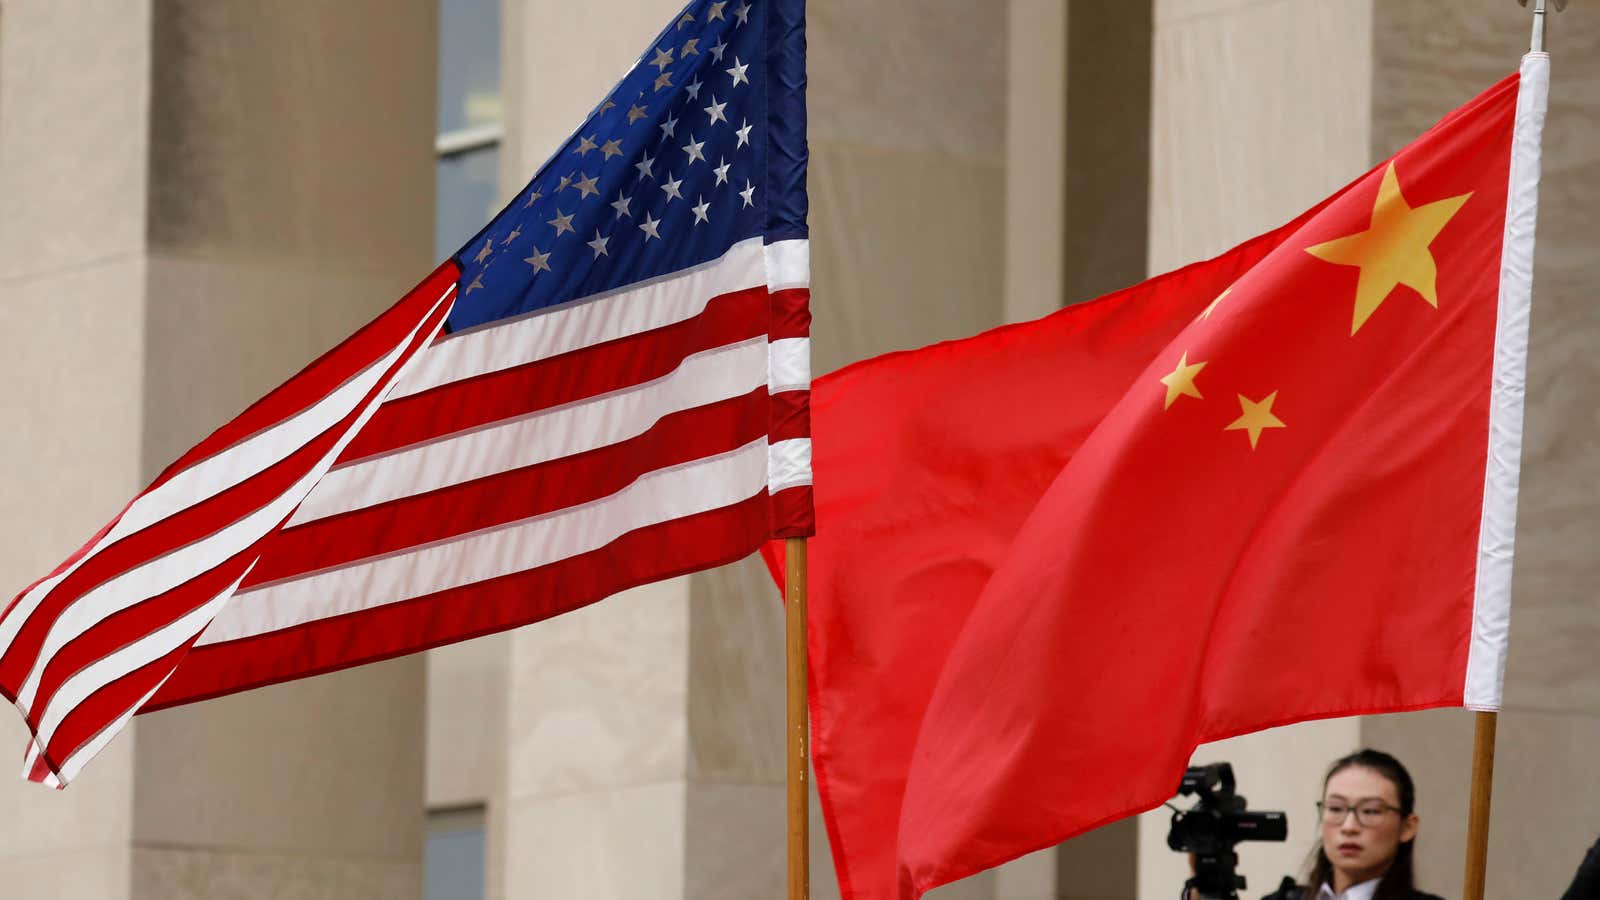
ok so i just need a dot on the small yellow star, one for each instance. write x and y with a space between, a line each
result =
1180 382
1257 417
1207 313
1394 250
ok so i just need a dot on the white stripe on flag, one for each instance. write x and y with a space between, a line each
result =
656 497
593 320
788 464
788 264
218 473
790 365
131 658
166 572
706 377
80 757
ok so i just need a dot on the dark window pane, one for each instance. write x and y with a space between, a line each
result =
469 63
453 857
467 187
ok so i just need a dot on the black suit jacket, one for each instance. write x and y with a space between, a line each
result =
1288 890
1586 883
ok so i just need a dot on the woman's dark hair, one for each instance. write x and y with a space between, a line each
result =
1399 882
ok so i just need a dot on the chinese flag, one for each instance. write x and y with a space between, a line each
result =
1054 558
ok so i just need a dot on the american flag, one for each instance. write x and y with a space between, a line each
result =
607 386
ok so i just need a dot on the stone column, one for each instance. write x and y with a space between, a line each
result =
290 158
74 101
1429 58
1259 110
200 198
596 700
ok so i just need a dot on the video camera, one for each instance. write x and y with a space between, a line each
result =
1212 827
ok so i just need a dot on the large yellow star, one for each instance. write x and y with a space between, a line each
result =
1180 381
1394 251
1257 417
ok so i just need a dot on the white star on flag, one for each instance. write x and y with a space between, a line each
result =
648 226
693 148
715 111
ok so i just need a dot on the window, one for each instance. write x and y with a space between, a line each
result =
471 123
453 865
466 186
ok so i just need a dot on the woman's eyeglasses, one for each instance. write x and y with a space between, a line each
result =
1368 815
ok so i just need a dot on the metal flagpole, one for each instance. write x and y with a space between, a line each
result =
794 581
1487 720
1536 45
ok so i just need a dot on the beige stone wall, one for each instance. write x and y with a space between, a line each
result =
72 211
199 198
287 148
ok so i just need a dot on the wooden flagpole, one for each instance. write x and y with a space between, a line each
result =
798 732
1478 805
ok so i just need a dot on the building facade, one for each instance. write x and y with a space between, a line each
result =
198 196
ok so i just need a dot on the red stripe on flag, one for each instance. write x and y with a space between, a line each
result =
791 313
792 515
510 496
104 706
791 415
127 625
326 372
326 645
185 527
559 380
317 379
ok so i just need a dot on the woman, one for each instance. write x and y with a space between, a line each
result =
1369 832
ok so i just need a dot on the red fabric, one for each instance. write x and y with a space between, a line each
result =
1036 586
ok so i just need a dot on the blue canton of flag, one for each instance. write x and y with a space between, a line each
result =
667 172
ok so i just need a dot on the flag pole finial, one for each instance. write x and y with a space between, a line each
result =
1536 45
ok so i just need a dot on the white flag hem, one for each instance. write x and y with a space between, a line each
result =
1491 613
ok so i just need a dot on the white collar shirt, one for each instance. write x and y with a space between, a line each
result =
1362 891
